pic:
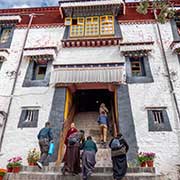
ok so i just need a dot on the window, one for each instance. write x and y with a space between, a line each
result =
28 118
5 34
77 27
1 64
39 70
138 70
178 28
90 26
3 116
158 116
177 24
106 25
158 120
137 66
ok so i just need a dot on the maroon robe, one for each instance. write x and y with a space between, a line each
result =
70 131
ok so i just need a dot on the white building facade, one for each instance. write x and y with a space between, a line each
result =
45 62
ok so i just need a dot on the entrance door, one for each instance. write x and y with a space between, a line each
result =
87 104
90 100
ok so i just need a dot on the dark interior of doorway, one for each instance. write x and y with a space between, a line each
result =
90 100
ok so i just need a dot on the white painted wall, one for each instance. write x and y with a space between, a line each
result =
164 144
156 94
17 142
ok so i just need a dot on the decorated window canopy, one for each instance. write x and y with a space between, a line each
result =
9 20
47 53
84 74
134 49
175 46
89 8
4 53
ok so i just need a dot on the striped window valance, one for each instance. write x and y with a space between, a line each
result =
88 75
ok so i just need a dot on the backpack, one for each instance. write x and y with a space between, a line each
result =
116 144
72 141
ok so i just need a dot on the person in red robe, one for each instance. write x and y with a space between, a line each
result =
70 131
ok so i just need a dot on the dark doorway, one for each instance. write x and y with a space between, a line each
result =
90 100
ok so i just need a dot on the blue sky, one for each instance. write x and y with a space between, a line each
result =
28 3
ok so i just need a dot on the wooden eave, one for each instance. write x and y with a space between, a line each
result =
91 42
91 10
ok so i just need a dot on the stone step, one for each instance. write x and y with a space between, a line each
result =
96 170
95 176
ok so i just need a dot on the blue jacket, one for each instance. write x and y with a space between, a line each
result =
45 133
103 119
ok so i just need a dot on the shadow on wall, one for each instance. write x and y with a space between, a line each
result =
126 122
56 117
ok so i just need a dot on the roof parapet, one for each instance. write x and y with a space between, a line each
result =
69 8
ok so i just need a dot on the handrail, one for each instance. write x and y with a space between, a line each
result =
63 134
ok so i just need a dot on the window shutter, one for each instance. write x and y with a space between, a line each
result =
22 118
35 115
68 21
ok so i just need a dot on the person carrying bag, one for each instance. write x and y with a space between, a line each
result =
119 148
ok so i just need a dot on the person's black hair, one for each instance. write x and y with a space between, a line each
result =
119 135
89 138
47 124
82 131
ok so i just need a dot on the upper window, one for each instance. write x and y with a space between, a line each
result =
107 25
39 70
138 70
77 27
5 34
137 66
175 25
38 73
90 26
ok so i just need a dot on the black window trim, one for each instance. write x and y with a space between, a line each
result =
29 124
147 78
7 44
155 126
30 82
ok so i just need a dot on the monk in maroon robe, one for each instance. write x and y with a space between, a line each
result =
70 131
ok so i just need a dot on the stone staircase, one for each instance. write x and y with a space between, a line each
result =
87 121
103 169
100 173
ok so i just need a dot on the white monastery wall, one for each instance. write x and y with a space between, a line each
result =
9 67
45 37
165 144
18 141
89 55
157 94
